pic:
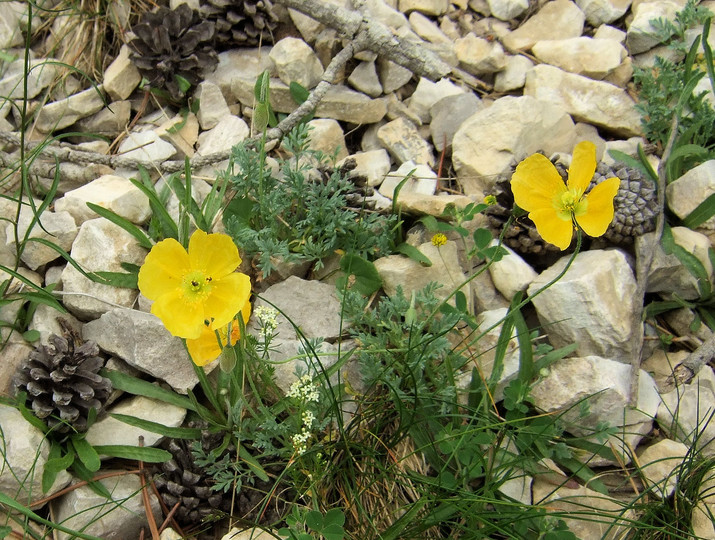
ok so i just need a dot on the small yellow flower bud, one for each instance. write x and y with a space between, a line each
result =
491 200
439 240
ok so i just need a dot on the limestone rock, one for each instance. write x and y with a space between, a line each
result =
591 305
146 146
594 515
478 56
121 76
109 431
423 180
327 136
65 112
432 205
11 17
428 93
182 131
108 122
100 246
392 76
687 192
557 19
684 415
667 274
57 227
603 11
112 192
658 464
513 76
427 29
506 10
339 102
428 7
448 114
586 100
401 138
364 79
228 132
212 105
373 164
41 74
241 63
511 274
603 383
312 306
142 341
593 58
83 509
397 270
641 34
25 452
493 139
295 61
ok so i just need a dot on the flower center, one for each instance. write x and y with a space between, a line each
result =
196 285
570 203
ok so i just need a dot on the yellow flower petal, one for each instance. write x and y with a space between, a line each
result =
552 228
599 212
163 269
535 183
181 318
583 165
205 349
216 254
228 296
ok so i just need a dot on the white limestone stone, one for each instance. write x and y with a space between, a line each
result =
557 19
295 61
229 131
684 194
212 105
593 58
121 76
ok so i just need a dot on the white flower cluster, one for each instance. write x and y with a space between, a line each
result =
300 441
267 316
304 390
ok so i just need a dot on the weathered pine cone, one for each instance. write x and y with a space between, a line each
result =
243 23
635 211
182 480
173 42
358 191
63 384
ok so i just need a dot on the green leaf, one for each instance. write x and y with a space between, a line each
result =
333 532
12 503
86 453
137 453
41 295
704 211
136 232
413 253
526 356
482 238
138 387
168 225
184 85
367 279
161 429
31 336
261 90
55 463
252 463
460 301
118 279
298 92
314 520
261 116
398 188
176 183
28 415
334 516
83 473
5 530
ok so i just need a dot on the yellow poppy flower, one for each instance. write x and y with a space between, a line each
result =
554 206
205 349
191 287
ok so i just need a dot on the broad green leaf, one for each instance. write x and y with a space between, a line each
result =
136 232
334 516
366 278
184 85
482 238
413 253
83 473
137 453
138 387
261 90
704 211
86 453
460 301
118 279
298 92
169 227
161 429
31 336
261 116
252 463
630 161
314 520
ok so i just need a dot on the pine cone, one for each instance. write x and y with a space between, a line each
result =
358 191
635 205
241 24
63 384
173 42
182 480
